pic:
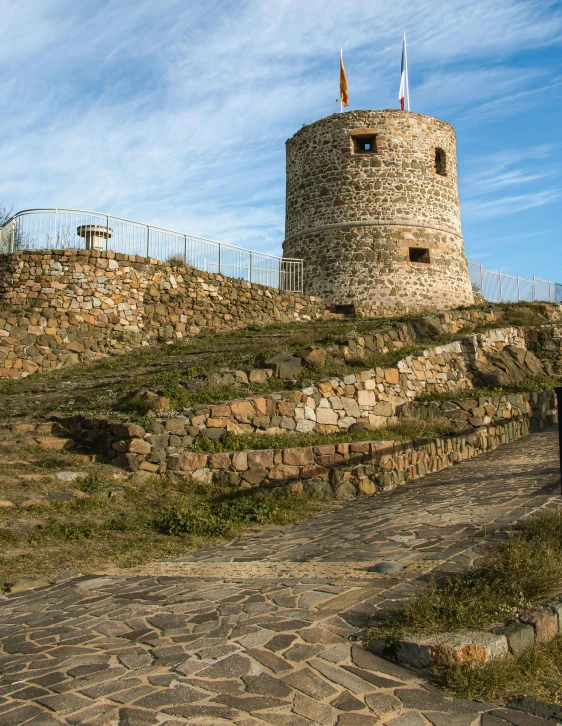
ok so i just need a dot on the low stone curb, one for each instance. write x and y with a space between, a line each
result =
533 627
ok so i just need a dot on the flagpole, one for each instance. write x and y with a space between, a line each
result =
341 61
407 77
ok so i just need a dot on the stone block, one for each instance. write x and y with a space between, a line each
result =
148 466
260 459
175 426
190 462
392 376
55 444
218 461
240 460
366 398
243 410
557 608
544 622
127 430
139 446
258 375
326 416
520 637
445 648
314 472
298 457
255 476
202 476
283 472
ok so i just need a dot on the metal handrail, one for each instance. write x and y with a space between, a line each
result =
497 286
55 228
141 224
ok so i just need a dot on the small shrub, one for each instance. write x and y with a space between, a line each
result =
64 531
91 484
222 515
138 406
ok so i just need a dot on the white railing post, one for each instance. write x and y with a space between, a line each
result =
534 288
481 280
250 268
148 240
13 236
518 290
185 249
55 232
501 291
219 265
106 231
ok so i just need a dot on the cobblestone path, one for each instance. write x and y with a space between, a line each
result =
263 630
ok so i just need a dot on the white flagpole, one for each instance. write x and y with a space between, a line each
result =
407 78
341 62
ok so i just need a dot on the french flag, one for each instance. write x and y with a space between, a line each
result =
403 94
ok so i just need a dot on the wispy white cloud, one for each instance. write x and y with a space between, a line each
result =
509 205
176 113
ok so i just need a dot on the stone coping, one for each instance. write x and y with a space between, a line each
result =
532 627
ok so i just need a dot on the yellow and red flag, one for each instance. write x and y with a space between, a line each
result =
344 94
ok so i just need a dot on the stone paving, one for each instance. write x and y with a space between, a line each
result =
264 630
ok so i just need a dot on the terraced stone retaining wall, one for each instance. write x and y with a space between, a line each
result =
371 397
89 304
546 343
365 466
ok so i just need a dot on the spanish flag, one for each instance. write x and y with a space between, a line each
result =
344 95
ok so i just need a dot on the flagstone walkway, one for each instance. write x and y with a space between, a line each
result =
264 630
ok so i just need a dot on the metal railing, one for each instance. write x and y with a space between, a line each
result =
40 229
499 287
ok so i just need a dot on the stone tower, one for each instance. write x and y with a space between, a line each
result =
373 210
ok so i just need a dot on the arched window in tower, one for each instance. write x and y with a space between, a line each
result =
440 162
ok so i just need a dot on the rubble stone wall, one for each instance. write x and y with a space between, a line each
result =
372 397
78 305
341 470
353 216
376 397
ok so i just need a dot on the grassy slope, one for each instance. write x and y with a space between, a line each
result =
101 385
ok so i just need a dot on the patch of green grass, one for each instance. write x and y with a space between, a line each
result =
515 575
224 514
91 483
408 428
153 519
531 384
537 674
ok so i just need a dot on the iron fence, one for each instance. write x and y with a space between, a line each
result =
499 287
39 229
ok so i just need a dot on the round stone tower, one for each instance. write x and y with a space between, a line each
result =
373 210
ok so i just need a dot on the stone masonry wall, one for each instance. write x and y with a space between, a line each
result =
371 397
352 216
88 304
546 343
374 397
341 470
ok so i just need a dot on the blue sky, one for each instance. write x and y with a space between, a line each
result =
176 113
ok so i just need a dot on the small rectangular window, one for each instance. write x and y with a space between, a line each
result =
418 254
440 162
365 144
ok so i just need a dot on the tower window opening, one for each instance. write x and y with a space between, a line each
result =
440 162
365 144
418 254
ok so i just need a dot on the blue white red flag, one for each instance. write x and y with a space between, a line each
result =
403 76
